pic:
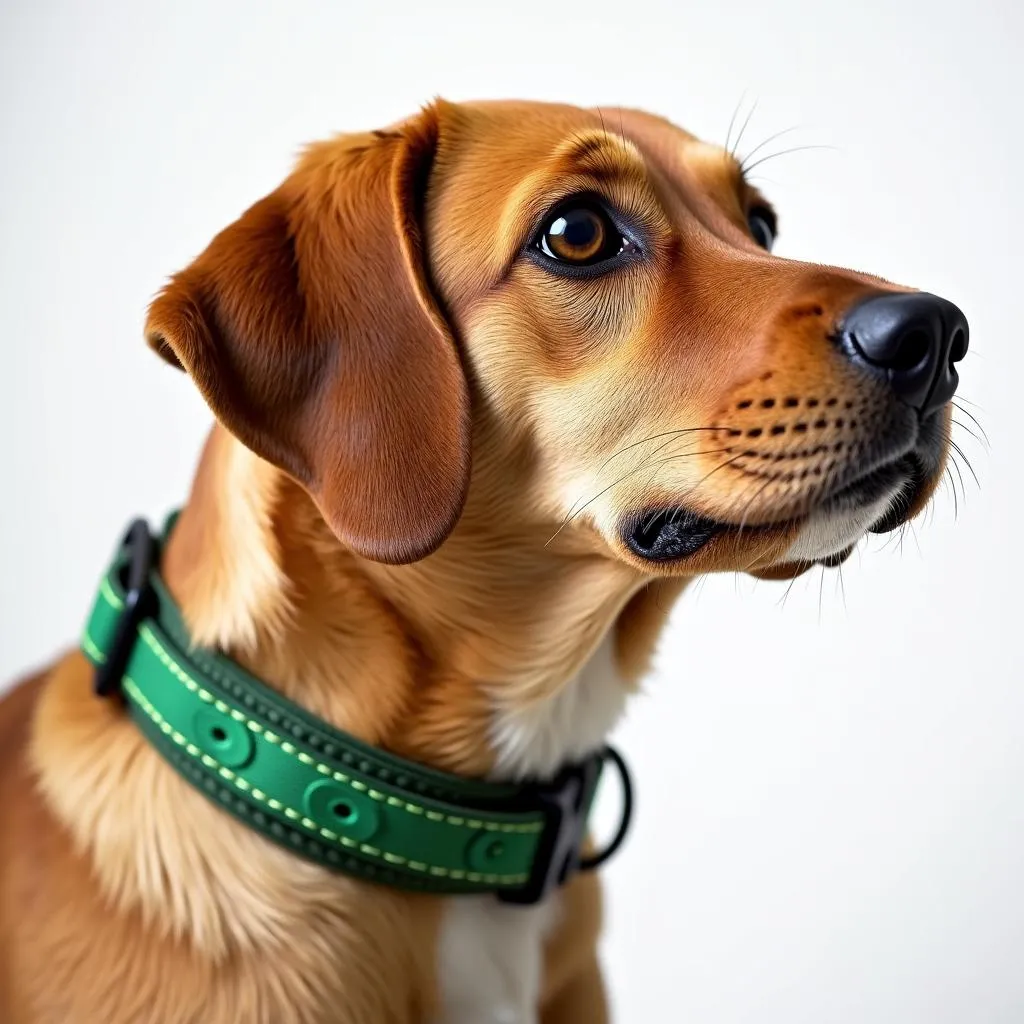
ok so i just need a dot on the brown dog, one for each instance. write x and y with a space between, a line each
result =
492 385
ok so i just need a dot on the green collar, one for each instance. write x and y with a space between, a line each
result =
318 791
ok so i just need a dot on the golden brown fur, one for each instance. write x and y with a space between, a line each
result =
406 520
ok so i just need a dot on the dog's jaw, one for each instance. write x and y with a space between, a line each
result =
825 534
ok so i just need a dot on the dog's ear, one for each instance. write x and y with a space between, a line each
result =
310 329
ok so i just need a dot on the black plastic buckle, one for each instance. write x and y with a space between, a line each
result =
139 601
567 802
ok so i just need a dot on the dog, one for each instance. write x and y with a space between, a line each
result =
491 386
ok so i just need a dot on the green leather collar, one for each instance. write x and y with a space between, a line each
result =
318 791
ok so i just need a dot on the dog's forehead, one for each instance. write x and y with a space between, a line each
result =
704 177
509 139
492 152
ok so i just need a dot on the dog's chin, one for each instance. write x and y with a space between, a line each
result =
877 502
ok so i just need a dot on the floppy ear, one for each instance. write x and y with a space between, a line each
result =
310 329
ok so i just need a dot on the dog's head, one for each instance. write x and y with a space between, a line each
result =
583 307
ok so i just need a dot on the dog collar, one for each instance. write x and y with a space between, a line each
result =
318 791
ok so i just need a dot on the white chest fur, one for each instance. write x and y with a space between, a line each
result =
490 958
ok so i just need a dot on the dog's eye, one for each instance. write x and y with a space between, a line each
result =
580 235
761 222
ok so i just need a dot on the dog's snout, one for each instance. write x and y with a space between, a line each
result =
915 339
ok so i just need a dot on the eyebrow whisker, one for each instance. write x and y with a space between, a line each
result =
732 121
783 152
743 128
761 145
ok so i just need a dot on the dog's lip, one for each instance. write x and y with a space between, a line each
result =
915 481
897 474
672 533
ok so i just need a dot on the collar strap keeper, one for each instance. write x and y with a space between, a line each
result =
318 791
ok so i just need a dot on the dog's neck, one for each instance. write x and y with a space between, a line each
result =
484 660
494 656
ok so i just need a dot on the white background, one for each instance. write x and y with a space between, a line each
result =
831 810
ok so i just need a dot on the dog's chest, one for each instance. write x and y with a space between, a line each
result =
490 960
491 954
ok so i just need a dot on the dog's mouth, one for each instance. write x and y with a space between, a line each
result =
671 533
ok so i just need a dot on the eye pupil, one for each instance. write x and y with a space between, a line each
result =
580 229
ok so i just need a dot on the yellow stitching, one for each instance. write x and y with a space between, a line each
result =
107 591
391 858
92 650
158 649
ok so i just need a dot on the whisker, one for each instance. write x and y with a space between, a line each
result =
917 540
573 514
967 400
959 451
750 502
727 462
732 121
653 437
758 555
956 465
967 429
743 128
784 152
952 485
974 418
761 145
685 455
781 603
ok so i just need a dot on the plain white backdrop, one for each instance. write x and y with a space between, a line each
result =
830 816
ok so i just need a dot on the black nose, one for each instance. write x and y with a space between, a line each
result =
915 339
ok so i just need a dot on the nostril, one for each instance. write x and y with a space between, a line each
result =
915 337
912 349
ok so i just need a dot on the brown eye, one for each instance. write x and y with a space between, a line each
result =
581 235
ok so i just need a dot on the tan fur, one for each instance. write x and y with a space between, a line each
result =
357 563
